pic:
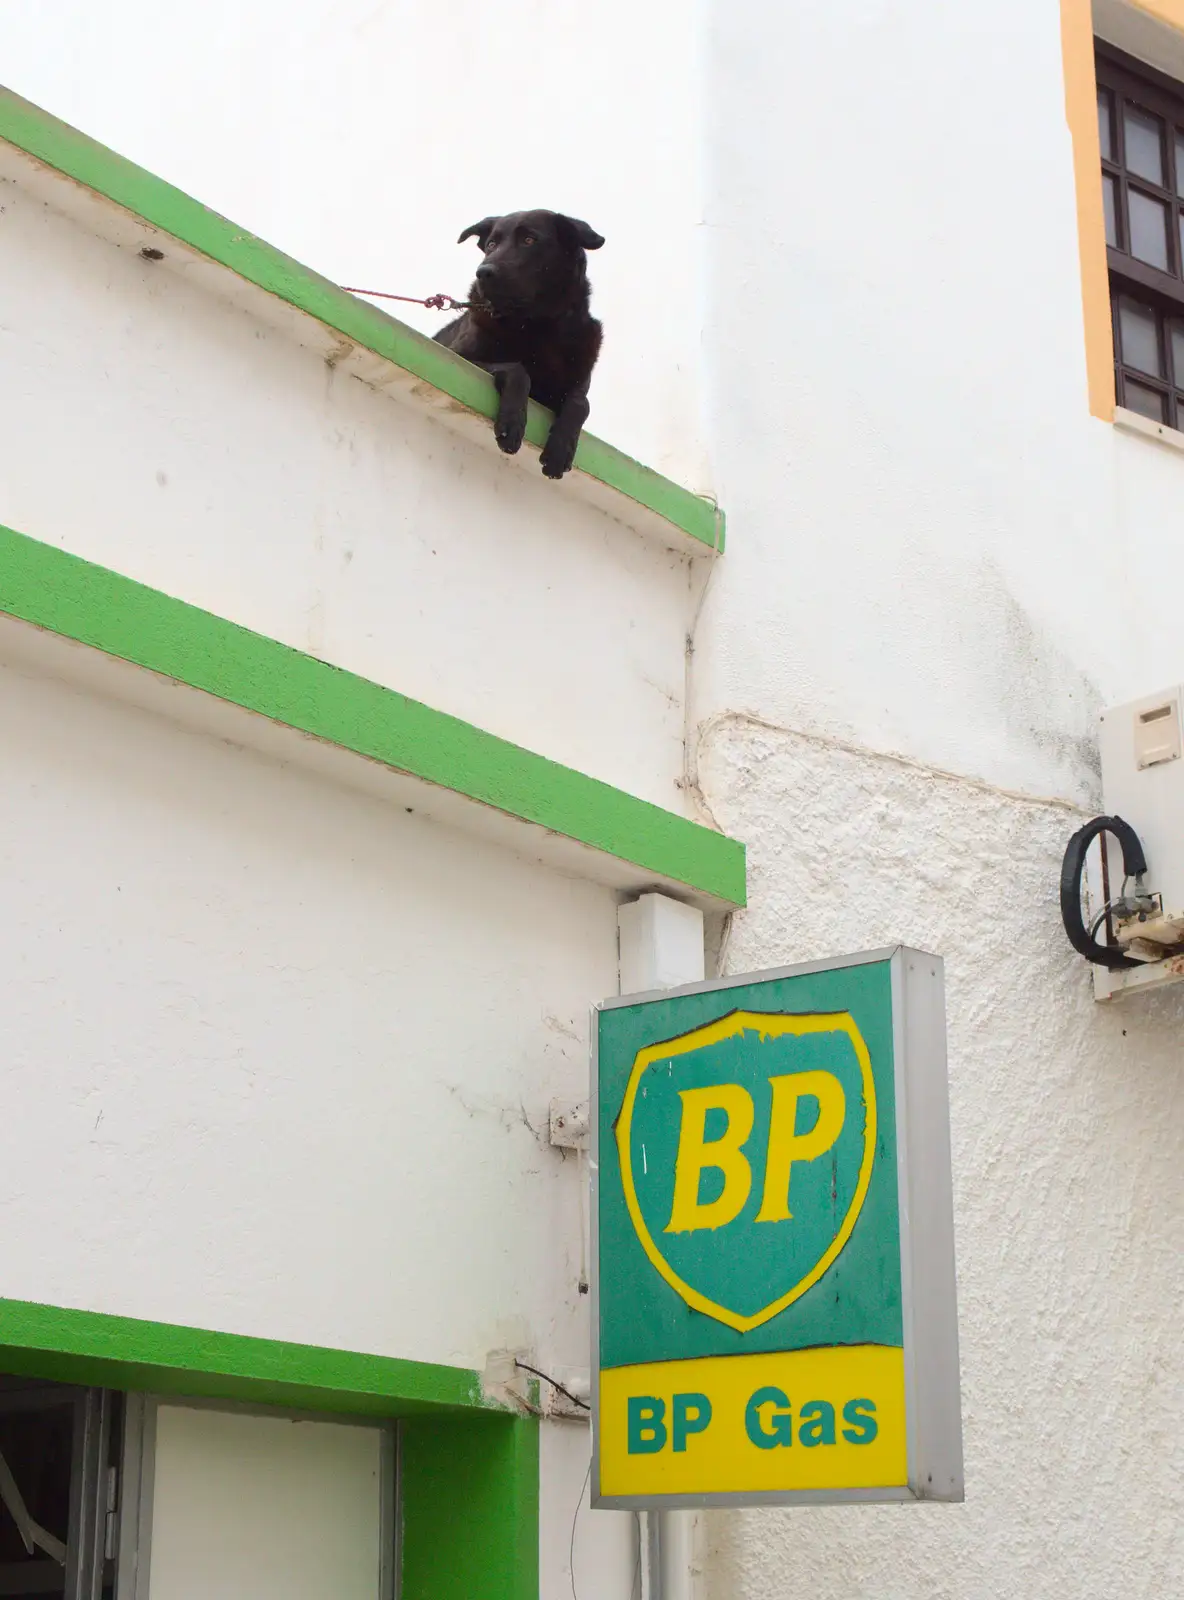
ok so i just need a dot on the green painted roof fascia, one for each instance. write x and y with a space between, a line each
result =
87 162
91 1347
82 601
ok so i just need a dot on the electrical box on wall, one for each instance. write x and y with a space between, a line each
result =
1142 753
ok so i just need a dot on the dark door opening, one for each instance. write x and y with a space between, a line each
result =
58 1484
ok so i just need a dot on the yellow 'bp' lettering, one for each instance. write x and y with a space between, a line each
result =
786 1146
696 1153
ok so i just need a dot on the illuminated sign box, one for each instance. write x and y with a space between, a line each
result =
773 1240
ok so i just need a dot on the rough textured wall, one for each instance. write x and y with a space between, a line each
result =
1068 1142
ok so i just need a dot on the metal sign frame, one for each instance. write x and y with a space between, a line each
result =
925 1207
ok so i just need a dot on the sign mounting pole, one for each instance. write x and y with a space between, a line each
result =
661 946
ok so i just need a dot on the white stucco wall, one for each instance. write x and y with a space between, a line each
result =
1068 1132
228 967
939 567
268 1042
302 1037
935 549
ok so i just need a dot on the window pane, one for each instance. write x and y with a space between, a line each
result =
1145 401
1149 231
36 1445
1178 353
261 1506
1144 144
1105 136
1140 337
1180 163
1110 204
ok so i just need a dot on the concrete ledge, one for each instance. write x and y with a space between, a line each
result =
122 202
76 621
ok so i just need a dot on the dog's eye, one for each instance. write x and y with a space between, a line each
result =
529 238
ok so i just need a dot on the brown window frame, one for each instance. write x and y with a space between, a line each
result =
1129 81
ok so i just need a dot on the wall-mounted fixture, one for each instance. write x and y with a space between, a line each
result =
1123 903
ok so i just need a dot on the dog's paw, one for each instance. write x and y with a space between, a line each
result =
509 429
558 454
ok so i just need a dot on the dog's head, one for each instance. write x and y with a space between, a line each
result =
534 261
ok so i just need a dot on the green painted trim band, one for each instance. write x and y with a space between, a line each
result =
157 203
79 600
91 1347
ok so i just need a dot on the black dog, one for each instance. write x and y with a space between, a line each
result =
528 324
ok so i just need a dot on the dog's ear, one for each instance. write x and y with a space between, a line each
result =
482 229
580 232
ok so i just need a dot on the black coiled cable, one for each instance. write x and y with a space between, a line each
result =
1134 864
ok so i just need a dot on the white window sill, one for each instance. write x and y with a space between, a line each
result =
1134 422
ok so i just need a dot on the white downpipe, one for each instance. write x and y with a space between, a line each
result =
649 1533
676 1554
662 946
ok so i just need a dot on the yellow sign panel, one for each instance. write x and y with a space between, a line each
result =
798 1419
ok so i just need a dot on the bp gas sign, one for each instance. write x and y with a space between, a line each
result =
773 1240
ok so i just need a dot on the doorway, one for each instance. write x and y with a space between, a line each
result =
58 1477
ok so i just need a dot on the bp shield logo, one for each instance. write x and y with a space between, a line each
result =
746 1150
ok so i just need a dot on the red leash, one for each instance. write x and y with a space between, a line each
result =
434 302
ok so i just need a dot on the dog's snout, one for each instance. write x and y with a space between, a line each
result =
486 272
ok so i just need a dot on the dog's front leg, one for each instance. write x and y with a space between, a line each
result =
512 382
560 449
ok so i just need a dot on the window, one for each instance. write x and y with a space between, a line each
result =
230 1501
107 1496
1141 132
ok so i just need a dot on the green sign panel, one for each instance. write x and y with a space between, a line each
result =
754 1337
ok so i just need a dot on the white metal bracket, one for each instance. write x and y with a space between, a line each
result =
569 1124
1112 984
